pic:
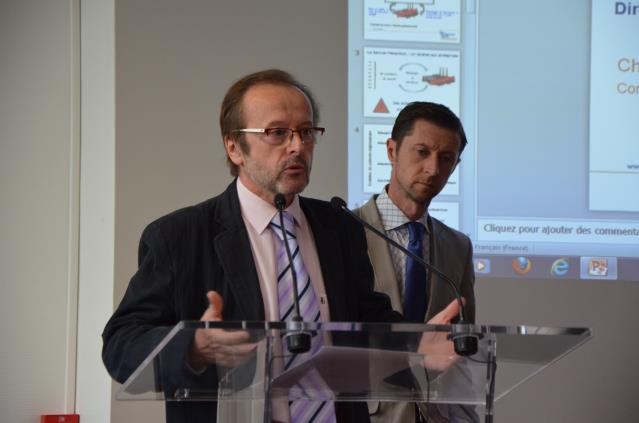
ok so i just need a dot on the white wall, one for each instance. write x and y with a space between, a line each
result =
39 163
57 216
97 208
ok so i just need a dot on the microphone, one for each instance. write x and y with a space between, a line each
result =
465 344
297 341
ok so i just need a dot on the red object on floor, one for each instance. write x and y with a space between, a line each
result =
60 418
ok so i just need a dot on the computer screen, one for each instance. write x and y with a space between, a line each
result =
548 92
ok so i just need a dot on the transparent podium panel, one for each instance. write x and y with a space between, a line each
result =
348 362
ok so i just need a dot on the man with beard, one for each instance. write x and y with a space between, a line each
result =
220 259
424 149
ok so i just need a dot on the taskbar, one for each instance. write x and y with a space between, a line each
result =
557 267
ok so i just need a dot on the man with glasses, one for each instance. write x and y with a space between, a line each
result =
223 260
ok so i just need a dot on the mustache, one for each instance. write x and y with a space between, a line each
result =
295 161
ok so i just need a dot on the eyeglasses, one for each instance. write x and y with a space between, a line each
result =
280 136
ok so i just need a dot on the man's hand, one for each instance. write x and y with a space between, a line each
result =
216 345
439 352
446 316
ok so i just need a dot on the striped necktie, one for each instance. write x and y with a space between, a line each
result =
301 411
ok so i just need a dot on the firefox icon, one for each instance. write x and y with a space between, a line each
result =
521 265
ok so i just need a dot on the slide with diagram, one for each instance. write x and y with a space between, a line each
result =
395 77
417 20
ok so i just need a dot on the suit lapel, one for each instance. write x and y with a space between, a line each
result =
233 248
330 255
440 293
379 253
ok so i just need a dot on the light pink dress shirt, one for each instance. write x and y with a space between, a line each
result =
257 215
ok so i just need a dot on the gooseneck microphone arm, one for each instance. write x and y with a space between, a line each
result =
341 204
463 346
297 341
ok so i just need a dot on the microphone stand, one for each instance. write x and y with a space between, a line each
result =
297 341
465 344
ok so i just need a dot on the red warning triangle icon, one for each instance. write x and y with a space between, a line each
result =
380 107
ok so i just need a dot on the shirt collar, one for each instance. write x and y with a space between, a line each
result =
392 217
259 213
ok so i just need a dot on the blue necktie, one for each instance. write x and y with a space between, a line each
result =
415 296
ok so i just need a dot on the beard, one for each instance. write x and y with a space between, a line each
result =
278 180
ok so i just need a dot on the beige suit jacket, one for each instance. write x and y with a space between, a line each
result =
451 252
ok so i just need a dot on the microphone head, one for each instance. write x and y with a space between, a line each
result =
280 201
338 203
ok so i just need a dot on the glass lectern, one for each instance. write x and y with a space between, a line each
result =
357 362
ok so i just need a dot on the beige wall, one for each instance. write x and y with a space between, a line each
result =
39 212
175 60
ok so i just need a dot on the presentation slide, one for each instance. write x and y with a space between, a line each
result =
423 21
614 105
395 77
548 186
447 212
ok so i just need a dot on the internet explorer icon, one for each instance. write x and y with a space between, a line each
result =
560 267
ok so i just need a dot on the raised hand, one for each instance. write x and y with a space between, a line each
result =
438 350
218 346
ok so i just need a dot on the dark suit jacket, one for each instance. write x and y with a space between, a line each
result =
206 247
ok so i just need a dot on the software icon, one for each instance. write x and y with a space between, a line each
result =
560 267
482 265
598 266
521 265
